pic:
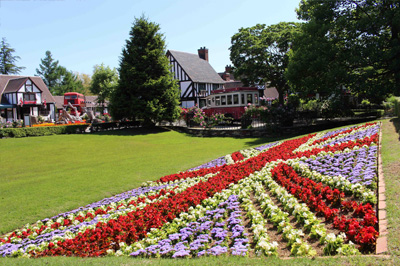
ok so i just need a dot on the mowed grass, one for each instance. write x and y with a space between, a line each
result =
43 176
390 158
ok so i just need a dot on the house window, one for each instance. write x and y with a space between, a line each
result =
215 87
249 98
223 100
255 98
229 99
208 102
202 103
201 87
217 101
236 99
28 87
242 99
30 97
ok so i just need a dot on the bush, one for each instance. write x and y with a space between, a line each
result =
40 131
335 107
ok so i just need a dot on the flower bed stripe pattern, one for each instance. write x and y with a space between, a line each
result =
325 181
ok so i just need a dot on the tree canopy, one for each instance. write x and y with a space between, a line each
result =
58 79
104 81
8 60
260 54
146 87
49 71
68 82
355 43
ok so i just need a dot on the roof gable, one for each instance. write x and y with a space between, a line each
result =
14 85
9 83
198 70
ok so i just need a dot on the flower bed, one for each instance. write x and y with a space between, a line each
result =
250 203
53 124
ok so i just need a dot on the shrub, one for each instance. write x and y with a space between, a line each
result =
41 131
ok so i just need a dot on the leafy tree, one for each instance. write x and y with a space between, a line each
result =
104 81
86 81
8 60
260 54
49 71
69 82
146 88
355 43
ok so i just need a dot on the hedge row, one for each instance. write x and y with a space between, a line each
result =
114 125
40 131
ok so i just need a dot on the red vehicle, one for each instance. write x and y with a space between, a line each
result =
231 102
76 100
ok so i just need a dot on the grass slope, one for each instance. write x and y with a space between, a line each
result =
391 160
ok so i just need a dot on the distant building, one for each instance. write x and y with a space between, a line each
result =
90 104
196 76
23 97
232 82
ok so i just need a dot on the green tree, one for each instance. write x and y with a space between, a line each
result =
260 54
49 71
355 43
68 82
146 88
104 81
86 81
8 60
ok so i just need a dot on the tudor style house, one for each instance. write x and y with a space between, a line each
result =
196 76
23 97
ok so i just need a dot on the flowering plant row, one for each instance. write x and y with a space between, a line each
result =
201 211
323 200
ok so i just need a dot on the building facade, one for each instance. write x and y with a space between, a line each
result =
195 75
23 97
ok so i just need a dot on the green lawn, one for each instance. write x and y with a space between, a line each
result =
109 164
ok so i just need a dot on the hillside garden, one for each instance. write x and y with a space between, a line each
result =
311 196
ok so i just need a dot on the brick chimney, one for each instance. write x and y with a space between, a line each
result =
227 74
203 53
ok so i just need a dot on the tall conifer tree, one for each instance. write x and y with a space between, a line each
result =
8 60
146 87
49 71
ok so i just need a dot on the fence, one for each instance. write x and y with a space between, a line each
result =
253 122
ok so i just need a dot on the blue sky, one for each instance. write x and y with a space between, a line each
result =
84 33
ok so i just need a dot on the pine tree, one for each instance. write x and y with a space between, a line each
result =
7 60
146 88
49 71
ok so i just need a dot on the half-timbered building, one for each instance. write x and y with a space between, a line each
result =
196 76
23 97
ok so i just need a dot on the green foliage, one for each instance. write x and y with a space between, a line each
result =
40 131
260 54
350 43
310 105
69 82
104 81
146 88
57 78
8 60
281 115
49 71
334 107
